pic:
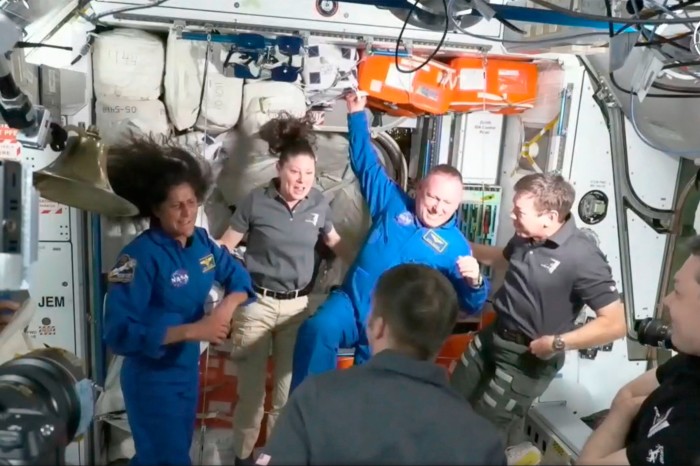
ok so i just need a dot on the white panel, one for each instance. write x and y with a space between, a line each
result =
647 250
512 142
481 148
591 168
350 19
54 321
574 74
648 167
54 218
62 243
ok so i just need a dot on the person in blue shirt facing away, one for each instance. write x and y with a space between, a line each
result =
404 230
154 313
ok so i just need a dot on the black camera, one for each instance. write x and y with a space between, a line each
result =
46 402
654 332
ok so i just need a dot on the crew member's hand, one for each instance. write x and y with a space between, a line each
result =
212 329
543 347
470 270
356 102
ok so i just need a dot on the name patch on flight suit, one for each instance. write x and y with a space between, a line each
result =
207 263
123 271
179 278
435 241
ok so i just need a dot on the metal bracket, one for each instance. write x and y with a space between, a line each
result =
661 221
179 25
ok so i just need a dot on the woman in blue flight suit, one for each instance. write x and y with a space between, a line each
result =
157 290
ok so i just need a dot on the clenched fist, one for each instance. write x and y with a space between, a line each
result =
356 101
470 270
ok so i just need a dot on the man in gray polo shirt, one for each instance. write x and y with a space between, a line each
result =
553 270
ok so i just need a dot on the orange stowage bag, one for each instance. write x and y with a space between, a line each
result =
493 84
405 94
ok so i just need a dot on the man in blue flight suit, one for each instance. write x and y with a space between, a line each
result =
154 313
403 230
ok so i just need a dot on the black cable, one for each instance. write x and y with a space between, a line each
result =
651 14
608 8
30 45
432 55
689 95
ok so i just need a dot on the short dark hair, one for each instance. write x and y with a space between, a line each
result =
419 305
143 170
288 136
445 169
551 192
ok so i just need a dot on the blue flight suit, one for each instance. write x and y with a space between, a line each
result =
157 283
395 237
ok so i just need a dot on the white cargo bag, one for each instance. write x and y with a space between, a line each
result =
116 234
184 76
328 70
128 64
264 100
115 118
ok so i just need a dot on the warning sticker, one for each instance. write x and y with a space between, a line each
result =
49 207
9 147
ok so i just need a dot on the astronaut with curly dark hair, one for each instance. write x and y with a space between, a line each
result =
283 222
154 313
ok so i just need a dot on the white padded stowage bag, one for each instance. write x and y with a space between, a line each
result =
128 64
250 165
184 76
264 100
328 71
116 234
115 118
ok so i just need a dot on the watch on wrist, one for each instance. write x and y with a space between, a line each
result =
558 343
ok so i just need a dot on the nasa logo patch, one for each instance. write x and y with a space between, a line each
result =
179 278
404 218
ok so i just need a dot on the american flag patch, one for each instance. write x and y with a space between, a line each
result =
263 459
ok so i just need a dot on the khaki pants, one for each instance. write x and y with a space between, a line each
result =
267 322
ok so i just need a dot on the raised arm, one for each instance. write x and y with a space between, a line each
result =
376 186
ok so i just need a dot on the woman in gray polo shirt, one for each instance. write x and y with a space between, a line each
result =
283 222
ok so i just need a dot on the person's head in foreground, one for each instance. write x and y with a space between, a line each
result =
166 182
439 195
683 303
541 204
414 309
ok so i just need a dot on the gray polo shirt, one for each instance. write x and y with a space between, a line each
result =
392 410
547 283
280 245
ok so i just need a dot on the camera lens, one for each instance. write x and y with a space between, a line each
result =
654 332
44 382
